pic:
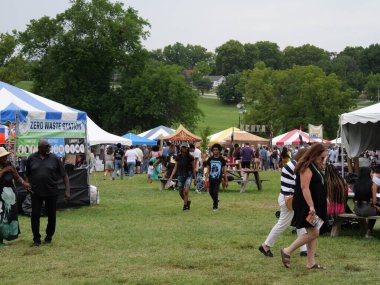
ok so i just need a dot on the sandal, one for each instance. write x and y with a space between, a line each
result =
285 259
317 266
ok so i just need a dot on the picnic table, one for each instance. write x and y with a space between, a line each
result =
242 176
339 218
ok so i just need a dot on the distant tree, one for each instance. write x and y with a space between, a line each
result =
157 96
204 134
186 56
7 48
270 54
228 91
372 88
251 55
306 55
288 99
203 84
370 59
230 58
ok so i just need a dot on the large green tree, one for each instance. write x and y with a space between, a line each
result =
370 59
270 54
289 99
306 55
158 96
186 56
80 49
13 67
230 58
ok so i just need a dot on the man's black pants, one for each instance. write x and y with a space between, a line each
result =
50 209
214 192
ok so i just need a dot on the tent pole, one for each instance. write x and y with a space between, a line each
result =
341 145
16 139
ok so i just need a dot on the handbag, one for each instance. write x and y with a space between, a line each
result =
289 202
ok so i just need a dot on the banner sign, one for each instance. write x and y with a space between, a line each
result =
316 132
254 128
65 137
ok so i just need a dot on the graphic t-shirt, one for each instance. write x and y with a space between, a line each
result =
118 154
216 167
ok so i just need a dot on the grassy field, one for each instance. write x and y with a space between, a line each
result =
218 116
138 235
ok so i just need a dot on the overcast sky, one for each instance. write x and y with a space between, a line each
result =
329 24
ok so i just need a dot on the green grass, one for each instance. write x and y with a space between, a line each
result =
26 85
218 116
138 235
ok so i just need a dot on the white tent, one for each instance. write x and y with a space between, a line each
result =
96 135
360 130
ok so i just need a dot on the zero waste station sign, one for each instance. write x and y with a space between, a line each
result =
65 137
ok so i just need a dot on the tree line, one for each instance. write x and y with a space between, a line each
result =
91 57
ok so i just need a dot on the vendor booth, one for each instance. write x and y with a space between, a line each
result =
34 118
296 137
360 130
181 135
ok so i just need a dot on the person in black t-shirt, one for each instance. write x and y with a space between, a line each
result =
118 158
185 170
216 171
43 170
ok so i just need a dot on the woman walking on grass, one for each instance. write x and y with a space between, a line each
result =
309 200
108 158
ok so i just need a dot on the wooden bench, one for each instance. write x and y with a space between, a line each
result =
336 228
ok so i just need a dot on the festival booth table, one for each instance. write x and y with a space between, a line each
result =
181 135
35 118
156 133
137 140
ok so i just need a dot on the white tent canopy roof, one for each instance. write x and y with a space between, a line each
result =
370 114
360 130
96 135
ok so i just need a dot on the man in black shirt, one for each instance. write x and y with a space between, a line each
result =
216 171
118 158
43 170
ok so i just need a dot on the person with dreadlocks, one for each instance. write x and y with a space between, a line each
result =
365 198
310 198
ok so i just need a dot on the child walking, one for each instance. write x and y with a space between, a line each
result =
216 170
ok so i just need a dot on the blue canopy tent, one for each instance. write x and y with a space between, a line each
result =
137 140
24 111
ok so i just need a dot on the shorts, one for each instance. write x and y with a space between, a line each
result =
184 181
109 165
246 164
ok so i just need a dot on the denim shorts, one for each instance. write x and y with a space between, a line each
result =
184 181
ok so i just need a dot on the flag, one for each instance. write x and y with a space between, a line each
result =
232 136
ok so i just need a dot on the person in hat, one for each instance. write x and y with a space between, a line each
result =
9 226
185 170
43 170
216 171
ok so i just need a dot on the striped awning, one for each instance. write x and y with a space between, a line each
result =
14 101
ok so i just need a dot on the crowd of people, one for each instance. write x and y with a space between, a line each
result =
302 198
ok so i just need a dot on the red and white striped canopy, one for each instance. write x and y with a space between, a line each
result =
293 138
